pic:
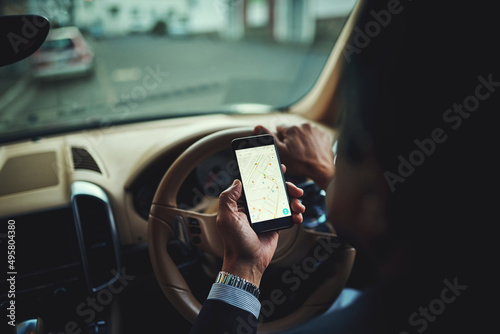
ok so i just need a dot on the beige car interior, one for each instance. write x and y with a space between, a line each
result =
41 174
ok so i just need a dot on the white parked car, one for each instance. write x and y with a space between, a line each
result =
65 53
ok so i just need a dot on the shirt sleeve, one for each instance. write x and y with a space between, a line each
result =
236 297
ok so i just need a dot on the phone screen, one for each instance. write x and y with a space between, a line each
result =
263 183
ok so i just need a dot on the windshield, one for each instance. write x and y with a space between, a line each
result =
108 62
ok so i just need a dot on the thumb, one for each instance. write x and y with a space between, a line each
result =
231 195
236 188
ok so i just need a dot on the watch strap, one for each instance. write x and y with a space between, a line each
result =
238 282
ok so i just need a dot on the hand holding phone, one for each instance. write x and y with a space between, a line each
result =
265 193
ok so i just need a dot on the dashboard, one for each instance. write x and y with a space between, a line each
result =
125 162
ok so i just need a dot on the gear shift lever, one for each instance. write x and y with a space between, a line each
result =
32 326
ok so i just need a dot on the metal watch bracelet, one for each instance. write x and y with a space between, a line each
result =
236 281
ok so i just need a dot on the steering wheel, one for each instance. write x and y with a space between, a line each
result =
167 221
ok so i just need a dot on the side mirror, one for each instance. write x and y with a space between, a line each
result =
21 36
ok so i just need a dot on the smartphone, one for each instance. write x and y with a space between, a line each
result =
265 194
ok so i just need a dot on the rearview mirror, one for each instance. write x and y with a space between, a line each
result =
21 36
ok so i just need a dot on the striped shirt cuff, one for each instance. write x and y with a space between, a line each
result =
236 297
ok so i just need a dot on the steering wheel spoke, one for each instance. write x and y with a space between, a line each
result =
191 227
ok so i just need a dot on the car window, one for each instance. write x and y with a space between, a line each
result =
157 59
57 45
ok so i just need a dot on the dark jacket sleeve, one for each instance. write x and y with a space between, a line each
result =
219 317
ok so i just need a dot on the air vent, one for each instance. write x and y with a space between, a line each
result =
83 160
97 235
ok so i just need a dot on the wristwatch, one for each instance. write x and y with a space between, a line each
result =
238 282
